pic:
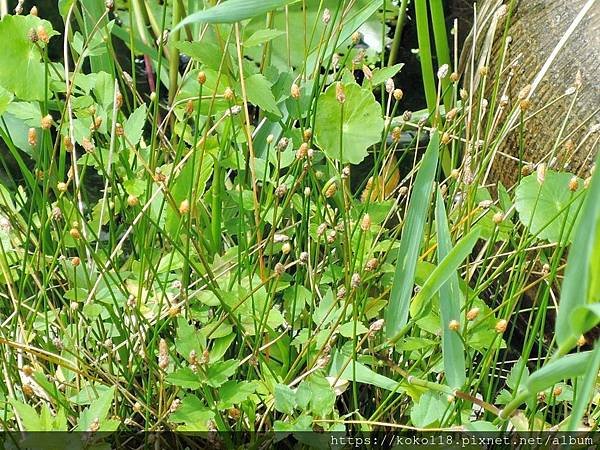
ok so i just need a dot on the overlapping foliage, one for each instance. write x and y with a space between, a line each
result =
233 227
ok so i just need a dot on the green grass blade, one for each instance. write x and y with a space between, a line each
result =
563 368
438 21
442 50
425 56
584 318
352 370
452 346
402 13
445 270
585 390
233 11
396 313
579 274
566 367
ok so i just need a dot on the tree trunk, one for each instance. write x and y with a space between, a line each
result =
562 135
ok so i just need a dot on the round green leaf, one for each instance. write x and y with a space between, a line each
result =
548 209
21 71
359 117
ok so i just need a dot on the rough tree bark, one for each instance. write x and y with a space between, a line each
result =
536 28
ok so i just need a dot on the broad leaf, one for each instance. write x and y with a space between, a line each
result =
185 378
218 373
188 339
382 75
233 11
262 36
345 131
21 71
30 418
5 99
348 329
208 53
518 375
64 6
285 399
428 410
193 413
134 126
234 392
548 209
259 93
97 411
481 426
134 186
323 397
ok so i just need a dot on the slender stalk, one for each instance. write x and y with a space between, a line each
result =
442 49
397 40
425 55
174 52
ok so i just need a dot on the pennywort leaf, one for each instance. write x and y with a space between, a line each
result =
21 71
345 131
548 209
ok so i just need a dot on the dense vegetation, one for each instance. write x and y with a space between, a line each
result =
230 222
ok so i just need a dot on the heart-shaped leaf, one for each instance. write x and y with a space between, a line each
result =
345 131
548 209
